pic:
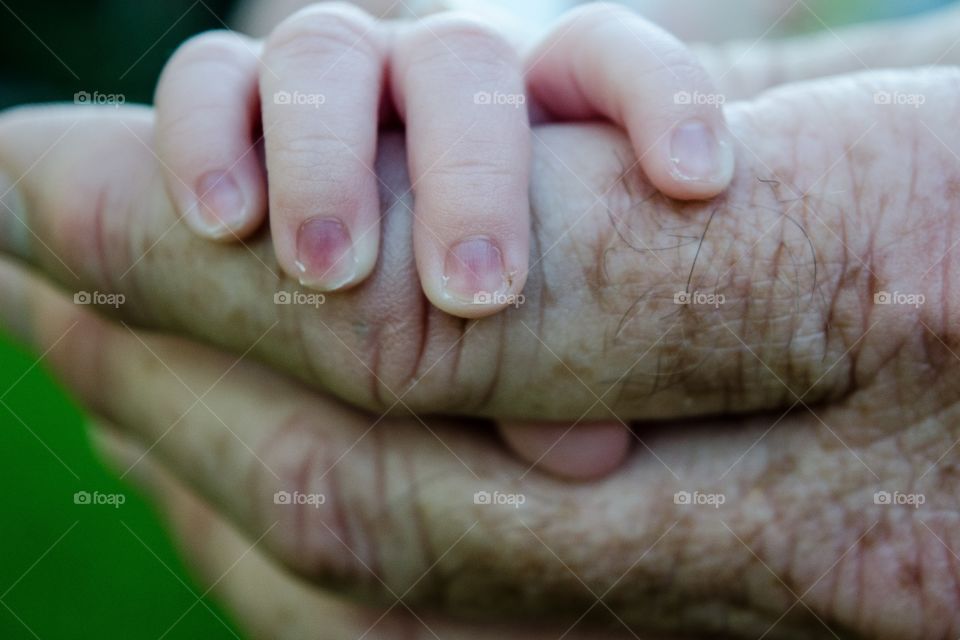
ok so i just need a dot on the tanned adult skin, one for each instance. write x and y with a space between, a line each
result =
829 395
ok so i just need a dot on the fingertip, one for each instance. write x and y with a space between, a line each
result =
206 109
477 277
222 209
696 161
580 452
331 256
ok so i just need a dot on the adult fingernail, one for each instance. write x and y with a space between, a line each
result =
14 234
220 210
699 154
474 271
325 256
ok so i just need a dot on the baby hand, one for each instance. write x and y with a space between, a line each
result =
317 91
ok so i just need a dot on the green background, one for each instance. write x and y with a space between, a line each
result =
67 570
75 571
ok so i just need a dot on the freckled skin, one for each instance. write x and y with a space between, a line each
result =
822 216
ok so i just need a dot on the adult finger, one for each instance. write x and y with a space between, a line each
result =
297 473
434 514
744 68
268 601
639 307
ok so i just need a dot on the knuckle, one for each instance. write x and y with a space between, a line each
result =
312 164
303 191
679 67
186 102
470 174
665 55
465 38
317 145
219 47
476 165
322 30
598 11
83 355
407 347
94 229
301 493
394 344
585 19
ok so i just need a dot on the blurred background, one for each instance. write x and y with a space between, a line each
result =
75 570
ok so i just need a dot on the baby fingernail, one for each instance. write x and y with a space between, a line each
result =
325 256
698 154
474 271
221 206
14 236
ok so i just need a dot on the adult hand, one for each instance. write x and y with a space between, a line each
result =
783 258
268 601
824 220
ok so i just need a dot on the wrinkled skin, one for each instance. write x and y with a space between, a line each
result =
787 249
829 397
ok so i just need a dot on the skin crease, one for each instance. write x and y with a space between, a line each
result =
469 160
741 68
599 318
877 382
